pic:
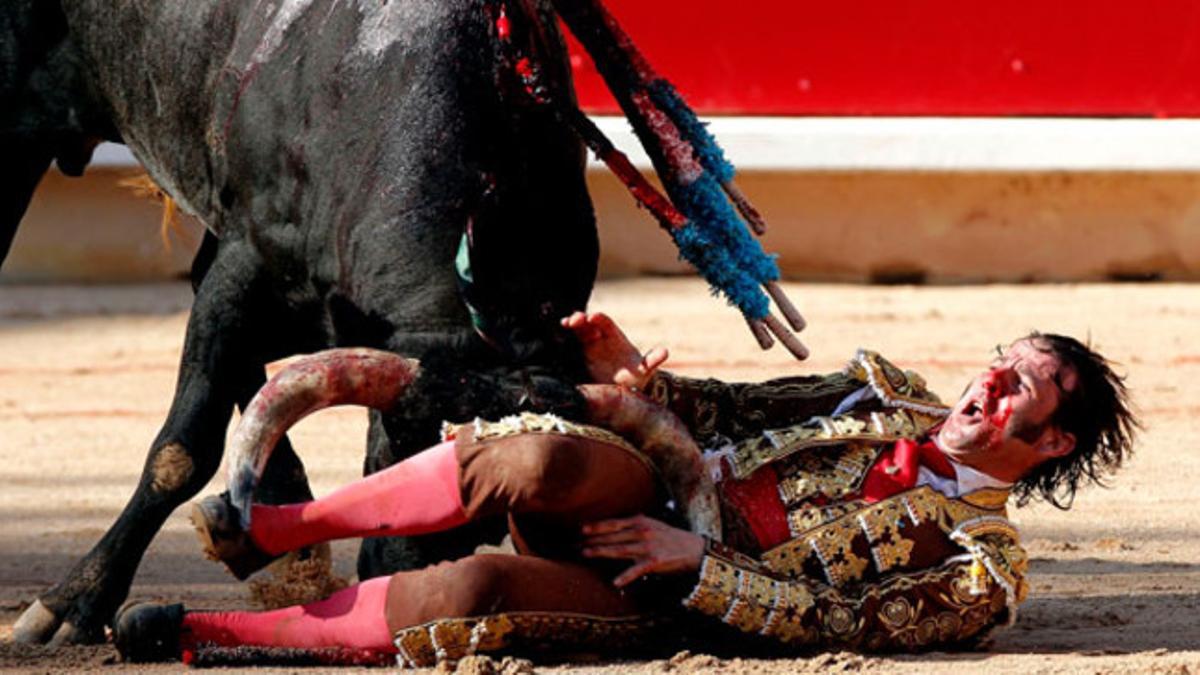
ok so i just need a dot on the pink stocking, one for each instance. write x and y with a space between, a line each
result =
350 619
416 496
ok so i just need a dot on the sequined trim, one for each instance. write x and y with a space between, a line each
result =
909 610
449 640
882 529
869 428
546 423
716 589
832 473
990 542
803 518
896 388
532 423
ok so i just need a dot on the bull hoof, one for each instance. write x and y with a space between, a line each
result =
36 625
71 633
148 632
223 539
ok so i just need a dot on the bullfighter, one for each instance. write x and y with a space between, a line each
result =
857 511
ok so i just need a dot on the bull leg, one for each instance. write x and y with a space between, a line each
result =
183 457
284 481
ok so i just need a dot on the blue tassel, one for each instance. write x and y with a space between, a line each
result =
715 240
714 263
704 203
710 154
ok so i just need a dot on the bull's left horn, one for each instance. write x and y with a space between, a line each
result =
664 439
366 377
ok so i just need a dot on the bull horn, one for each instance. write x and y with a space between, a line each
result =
367 377
664 439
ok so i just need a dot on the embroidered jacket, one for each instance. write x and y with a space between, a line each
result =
912 570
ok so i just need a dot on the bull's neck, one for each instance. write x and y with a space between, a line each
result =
153 62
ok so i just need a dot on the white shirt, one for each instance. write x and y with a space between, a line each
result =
966 481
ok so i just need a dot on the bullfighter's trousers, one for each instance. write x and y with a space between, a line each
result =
548 484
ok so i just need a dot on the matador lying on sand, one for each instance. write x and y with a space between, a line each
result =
855 511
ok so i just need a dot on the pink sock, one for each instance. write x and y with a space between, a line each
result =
352 618
416 496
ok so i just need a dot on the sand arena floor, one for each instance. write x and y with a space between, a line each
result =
86 376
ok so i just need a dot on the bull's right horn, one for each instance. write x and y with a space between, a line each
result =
367 377
664 439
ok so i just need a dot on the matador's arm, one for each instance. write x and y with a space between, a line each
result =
711 407
706 407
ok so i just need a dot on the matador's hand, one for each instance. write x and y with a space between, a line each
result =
652 545
611 357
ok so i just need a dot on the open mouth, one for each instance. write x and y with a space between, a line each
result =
973 411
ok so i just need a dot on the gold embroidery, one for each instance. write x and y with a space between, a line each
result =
987 499
900 424
949 624
897 613
716 589
841 564
882 527
893 386
798 615
844 425
750 454
788 613
527 422
988 525
926 631
889 555
873 428
832 544
963 590
456 639
831 472
912 625
883 518
754 597
807 517
788 558
415 647
452 639
883 523
842 621
992 542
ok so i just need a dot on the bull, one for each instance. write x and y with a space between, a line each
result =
407 176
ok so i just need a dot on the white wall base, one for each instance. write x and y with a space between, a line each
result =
940 200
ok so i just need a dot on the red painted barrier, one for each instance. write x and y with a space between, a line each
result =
918 57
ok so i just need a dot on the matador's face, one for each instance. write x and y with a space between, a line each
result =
1001 425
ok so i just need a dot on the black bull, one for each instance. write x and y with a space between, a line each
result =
336 150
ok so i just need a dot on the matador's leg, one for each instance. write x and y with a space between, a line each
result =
366 617
558 479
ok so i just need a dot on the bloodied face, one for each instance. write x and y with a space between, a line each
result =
1001 425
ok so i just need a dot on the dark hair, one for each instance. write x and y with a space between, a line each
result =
1095 411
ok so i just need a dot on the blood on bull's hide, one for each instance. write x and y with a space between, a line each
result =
344 155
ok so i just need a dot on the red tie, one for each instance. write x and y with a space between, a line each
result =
935 460
897 469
